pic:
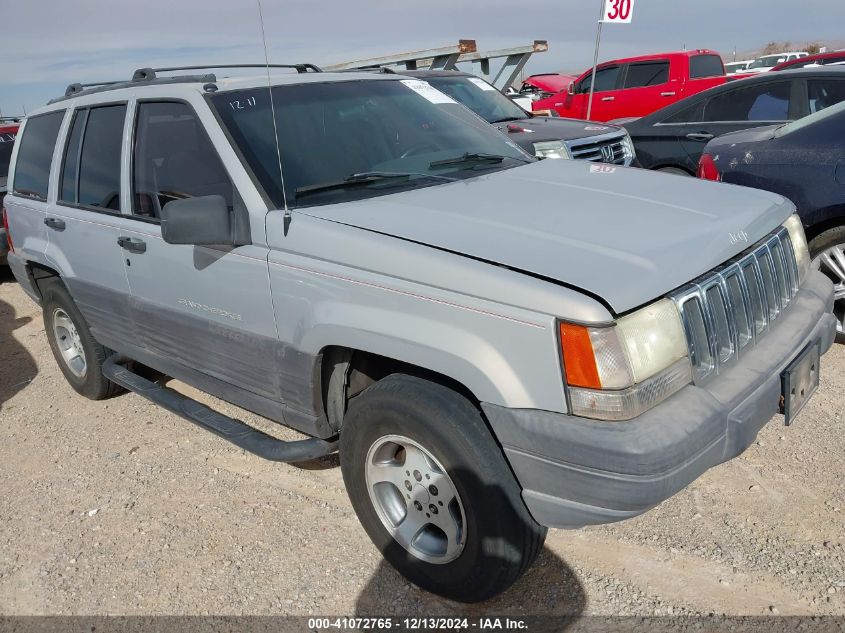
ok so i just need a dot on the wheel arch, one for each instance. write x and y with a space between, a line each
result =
344 372
833 217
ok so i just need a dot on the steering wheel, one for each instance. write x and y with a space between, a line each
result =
416 148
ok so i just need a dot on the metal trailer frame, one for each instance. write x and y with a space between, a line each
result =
448 57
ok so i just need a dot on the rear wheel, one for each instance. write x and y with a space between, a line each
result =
79 356
433 490
827 251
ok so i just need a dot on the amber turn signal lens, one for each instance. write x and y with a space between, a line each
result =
579 360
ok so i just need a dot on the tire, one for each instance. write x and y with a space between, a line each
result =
677 171
832 239
499 537
59 310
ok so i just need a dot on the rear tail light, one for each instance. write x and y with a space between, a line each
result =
8 232
707 168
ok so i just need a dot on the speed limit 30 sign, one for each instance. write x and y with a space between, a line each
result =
618 11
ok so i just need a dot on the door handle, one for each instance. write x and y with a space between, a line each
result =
55 223
608 98
700 136
667 94
132 244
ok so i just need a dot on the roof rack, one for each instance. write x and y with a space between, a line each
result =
147 74
150 75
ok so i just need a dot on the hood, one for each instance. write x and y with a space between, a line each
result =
526 132
625 235
550 83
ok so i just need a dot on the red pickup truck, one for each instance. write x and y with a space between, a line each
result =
637 86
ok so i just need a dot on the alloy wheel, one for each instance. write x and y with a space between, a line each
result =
416 499
69 343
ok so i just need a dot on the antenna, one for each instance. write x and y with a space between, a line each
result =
273 114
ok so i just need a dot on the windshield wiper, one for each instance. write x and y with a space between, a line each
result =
510 118
468 158
363 179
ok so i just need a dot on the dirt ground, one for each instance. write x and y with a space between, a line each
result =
119 507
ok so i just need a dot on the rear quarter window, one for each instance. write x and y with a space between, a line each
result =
702 66
35 156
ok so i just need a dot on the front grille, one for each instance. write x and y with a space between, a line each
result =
730 309
604 150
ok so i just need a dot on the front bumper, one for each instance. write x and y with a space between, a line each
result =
576 472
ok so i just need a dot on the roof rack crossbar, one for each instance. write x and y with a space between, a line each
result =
146 74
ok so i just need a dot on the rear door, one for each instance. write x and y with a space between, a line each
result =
85 222
646 88
204 313
746 106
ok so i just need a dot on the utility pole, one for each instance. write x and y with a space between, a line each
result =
595 60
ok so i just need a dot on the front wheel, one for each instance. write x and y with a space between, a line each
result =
433 490
827 251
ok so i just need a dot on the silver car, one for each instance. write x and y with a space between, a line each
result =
351 255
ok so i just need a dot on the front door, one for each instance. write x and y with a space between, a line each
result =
204 312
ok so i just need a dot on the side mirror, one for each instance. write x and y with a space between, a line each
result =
571 89
200 220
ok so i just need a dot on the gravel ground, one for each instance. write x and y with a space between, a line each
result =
119 507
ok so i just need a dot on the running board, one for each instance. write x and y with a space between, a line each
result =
235 431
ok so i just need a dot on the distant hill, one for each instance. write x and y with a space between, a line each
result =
782 47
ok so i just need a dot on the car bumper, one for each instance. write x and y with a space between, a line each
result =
576 472
23 278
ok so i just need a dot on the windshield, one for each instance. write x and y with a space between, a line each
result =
480 97
362 133
789 128
7 142
767 62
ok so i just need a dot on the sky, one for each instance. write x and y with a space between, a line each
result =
47 44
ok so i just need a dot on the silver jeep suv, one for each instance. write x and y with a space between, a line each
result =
350 255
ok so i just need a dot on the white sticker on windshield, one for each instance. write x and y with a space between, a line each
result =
428 91
481 83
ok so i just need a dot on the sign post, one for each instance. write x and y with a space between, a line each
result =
613 11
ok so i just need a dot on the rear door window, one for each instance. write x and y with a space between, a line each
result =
647 74
824 93
701 66
99 160
760 102
35 156
70 164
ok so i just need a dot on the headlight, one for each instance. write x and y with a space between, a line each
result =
621 371
799 245
551 149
